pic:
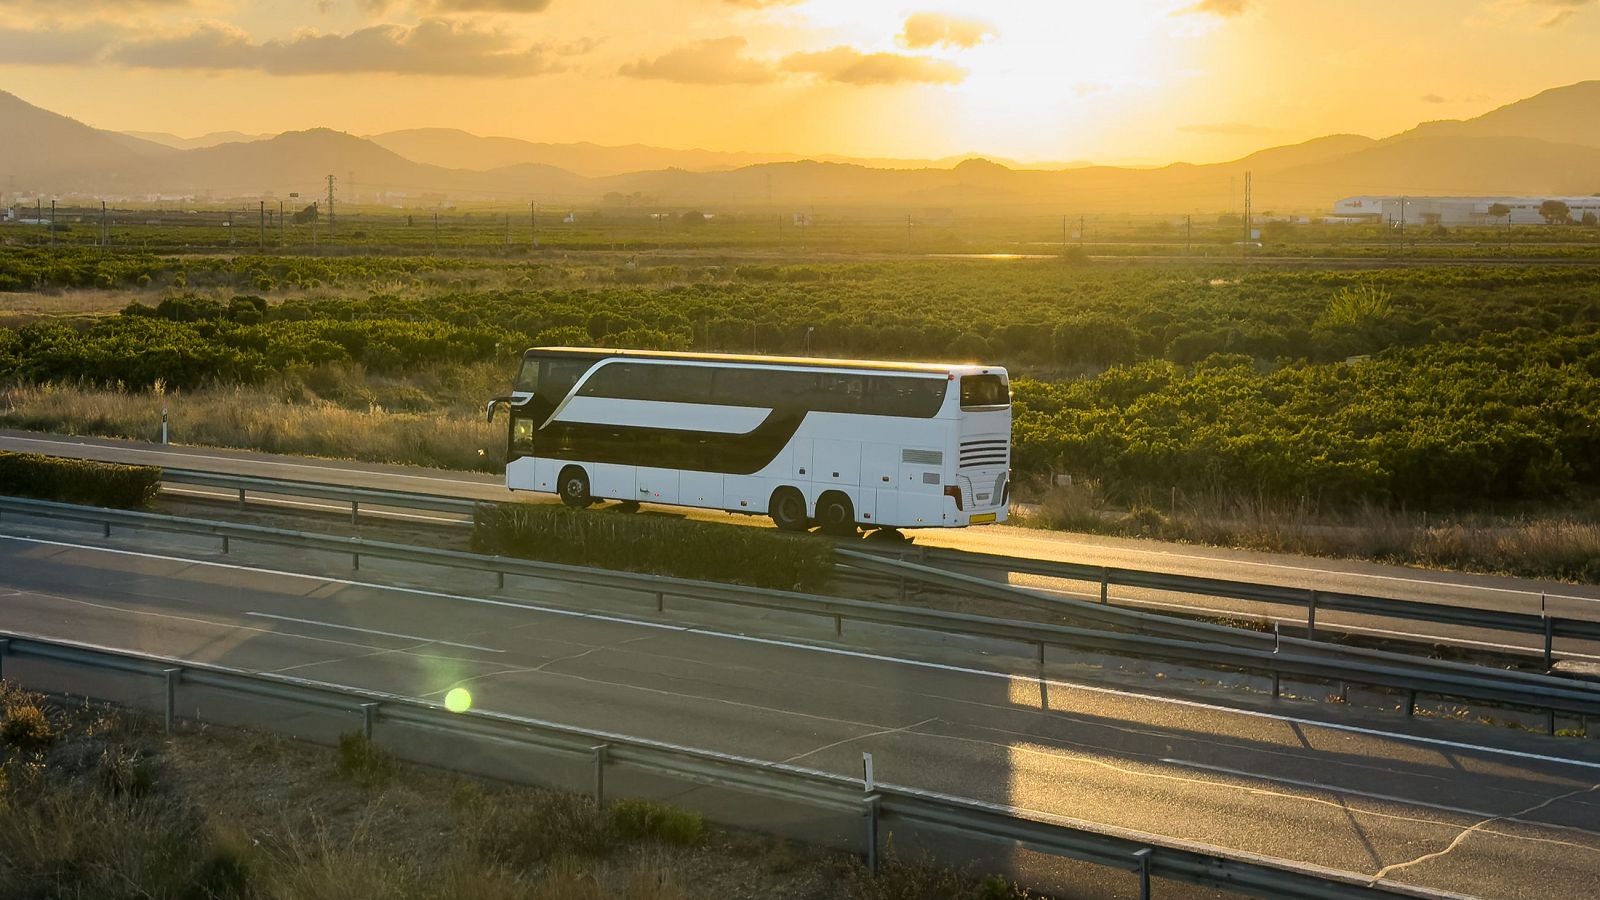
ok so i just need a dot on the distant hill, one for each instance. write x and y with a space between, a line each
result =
1563 115
45 151
167 139
1546 144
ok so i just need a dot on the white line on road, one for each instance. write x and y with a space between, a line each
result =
855 654
408 637
1391 798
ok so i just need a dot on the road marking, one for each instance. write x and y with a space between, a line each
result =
479 484
408 637
1331 626
855 654
1391 798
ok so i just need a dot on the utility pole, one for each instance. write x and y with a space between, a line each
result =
280 223
533 225
52 223
263 233
1188 233
332 228
1245 246
1063 235
230 228
1080 231
105 228
436 231
508 230
908 232
1402 223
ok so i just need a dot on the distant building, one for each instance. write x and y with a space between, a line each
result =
1453 211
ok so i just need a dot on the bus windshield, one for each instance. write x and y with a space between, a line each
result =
984 392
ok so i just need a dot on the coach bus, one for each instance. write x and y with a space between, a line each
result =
844 444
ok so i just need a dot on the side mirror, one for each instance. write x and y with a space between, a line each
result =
494 405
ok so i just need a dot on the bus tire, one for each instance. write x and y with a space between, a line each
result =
788 509
574 485
836 513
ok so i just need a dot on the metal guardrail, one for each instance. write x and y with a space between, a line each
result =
881 806
1278 658
1311 599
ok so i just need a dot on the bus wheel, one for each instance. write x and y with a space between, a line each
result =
575 487
788 510
836 514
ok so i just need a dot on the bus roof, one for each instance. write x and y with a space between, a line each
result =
799 361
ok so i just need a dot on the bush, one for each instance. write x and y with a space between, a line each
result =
26 727
637 819
78 480
361 760
656 545
552 827
126 772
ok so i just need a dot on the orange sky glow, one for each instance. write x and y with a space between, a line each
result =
1113 81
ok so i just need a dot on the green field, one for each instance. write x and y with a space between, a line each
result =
1462 388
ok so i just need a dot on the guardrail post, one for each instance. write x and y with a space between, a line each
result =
661 601
105 529
172 695
1549 640
224 545
1411 703
355 560
5 646
1143 857
241 498
600 775
1105 584
1311 615
838 626
870 806
1550 722
369 715
355 512
1277 644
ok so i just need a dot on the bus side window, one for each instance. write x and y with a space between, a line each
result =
557 376
842 393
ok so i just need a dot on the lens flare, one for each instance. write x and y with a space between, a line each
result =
458 700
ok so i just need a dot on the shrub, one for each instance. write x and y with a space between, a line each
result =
361 760
126 772
26 727
637 819
553 826
78 480
657 545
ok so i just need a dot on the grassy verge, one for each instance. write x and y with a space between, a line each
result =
94 803
659 545
1549 546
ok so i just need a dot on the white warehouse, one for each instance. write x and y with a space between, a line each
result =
1452 211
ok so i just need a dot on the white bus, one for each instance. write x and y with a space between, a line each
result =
840 443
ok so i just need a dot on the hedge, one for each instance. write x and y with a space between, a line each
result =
656 545
78 480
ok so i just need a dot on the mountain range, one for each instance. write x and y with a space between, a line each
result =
1548 144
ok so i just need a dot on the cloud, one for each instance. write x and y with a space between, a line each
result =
1434 98
1233 128
928 29
1560 11
432 47
1225 8
503 6
54 46
848 65
713 61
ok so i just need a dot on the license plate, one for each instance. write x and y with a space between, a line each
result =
982 519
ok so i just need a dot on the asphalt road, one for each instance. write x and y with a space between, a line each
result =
1451 805
1483 591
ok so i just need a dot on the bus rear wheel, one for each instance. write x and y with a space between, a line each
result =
575 487
837 515
788 510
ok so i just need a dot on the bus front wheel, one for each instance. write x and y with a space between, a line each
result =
788 510
575 487
836 514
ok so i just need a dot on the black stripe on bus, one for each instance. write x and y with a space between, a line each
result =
671 448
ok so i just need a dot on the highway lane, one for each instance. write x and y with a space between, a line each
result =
1519 594
1443 804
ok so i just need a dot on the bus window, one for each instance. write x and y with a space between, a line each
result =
841 393
984 392
894 395
528 376
557 376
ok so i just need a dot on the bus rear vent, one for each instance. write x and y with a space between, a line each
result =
923 457
983 453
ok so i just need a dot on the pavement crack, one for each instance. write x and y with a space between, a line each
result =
861 737
1465 832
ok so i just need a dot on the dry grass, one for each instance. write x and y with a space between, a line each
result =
318 413
1553 546
112 808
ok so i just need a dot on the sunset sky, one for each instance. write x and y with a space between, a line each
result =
1116 81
